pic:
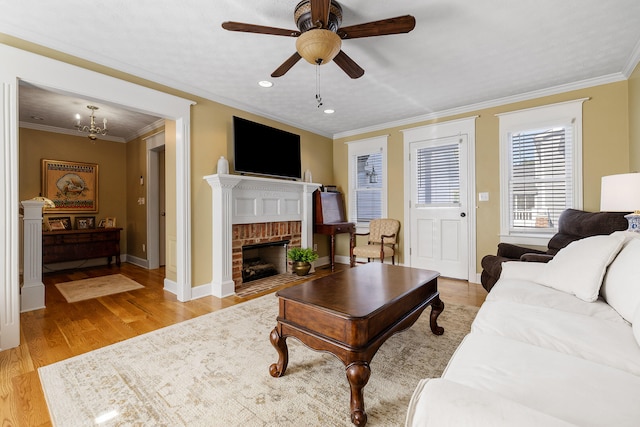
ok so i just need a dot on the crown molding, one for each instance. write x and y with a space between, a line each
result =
582 84
55 129
633 61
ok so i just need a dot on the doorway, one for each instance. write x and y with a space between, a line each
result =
23 65
156 209
440 177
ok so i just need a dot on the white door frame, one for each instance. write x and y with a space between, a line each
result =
450 128
153 146
19 65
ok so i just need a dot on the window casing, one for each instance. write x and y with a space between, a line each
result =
541 170
367 180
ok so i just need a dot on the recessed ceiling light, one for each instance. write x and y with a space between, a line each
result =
265 83
329 111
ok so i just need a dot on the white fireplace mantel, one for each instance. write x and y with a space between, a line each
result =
239 199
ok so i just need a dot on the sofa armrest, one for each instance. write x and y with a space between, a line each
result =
441 403
532 257
508 250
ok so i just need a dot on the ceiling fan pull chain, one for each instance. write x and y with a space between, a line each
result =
318 96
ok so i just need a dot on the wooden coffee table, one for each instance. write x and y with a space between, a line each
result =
351 314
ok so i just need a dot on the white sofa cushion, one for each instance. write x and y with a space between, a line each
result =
621 284
590 338
636 325
527 292
441 403
578 268
565 387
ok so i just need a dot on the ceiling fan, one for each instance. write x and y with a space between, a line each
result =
319 39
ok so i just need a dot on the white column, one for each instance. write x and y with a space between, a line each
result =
222 284
32 292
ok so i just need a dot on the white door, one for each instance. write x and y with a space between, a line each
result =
438 206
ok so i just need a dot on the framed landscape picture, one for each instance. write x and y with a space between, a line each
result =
72 186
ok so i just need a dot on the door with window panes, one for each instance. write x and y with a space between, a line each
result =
438 211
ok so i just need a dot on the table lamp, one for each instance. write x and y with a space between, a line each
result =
621 193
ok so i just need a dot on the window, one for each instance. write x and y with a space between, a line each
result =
541 158
438 175
367 180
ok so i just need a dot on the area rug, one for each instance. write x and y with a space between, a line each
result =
214 370
80 290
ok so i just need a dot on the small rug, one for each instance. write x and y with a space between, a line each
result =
80 290
214 370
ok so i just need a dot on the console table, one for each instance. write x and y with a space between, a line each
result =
72 245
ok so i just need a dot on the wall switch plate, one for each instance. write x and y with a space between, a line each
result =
483 197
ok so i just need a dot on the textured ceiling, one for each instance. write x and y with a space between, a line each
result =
461 53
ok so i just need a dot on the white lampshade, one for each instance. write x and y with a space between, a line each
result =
620 193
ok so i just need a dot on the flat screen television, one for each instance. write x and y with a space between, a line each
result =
263 150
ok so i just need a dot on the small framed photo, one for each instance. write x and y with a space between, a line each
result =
66 221
56 225
85 222
102 223
110 222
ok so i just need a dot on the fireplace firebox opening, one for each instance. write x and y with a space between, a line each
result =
264 260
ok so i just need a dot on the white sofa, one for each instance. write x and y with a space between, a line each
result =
554 344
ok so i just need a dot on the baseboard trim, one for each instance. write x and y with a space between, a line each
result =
140 262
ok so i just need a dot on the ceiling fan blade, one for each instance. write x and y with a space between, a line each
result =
259 29
400 24
320 12
286 65
348 65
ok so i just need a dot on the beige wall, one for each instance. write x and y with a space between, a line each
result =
212 137
110 156
634 120
605 152
136 166
609 126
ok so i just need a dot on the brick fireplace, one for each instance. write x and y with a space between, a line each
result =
254 209
250 235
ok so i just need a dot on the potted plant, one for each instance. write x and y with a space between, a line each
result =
302 259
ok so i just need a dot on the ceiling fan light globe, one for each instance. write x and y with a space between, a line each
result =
318 46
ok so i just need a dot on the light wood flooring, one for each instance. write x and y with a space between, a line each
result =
63 330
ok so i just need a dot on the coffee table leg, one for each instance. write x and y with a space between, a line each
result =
437 306
277 369
358 375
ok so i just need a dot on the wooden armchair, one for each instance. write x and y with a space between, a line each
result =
383 237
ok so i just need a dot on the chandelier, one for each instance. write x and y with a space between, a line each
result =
92 129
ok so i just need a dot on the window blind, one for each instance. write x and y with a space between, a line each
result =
368 191
438 175
540 181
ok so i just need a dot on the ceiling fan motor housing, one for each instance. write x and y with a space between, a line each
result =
303 20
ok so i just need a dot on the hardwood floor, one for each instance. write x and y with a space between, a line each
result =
63 330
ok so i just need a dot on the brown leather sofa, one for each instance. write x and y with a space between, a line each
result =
572 225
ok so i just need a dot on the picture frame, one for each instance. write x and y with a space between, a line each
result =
110 222
66 221
72 186
56 225
102 223
85 222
